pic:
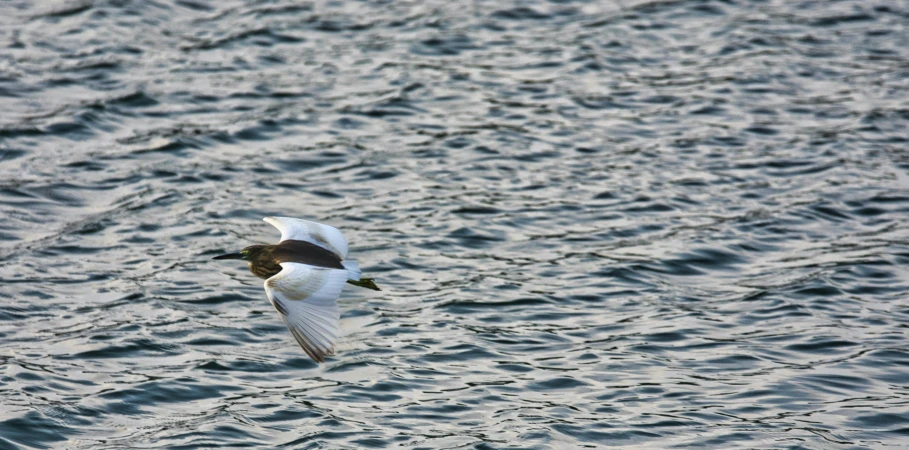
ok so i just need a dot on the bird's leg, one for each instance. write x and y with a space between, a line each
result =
365 283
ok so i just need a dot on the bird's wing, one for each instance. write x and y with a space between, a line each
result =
325 236
306 298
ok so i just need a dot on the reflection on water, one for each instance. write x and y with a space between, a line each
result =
646 224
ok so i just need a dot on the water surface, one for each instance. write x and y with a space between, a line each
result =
640 224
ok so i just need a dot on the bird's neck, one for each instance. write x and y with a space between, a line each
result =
264 268
264 271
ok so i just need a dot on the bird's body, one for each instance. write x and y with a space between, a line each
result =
304 274
267 261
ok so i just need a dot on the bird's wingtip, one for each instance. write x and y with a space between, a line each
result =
273 221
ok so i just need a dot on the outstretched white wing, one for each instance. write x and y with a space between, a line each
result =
325 236
305 296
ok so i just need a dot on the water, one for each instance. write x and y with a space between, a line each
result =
638 224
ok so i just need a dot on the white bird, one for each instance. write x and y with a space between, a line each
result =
304 274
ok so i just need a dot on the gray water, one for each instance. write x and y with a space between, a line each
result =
639 224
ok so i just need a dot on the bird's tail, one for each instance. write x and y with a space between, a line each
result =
353 269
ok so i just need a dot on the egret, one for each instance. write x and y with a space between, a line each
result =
304 274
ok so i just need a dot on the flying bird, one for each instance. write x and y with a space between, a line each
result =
304 274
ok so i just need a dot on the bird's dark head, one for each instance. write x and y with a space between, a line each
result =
251 253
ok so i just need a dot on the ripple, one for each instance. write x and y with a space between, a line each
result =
656 224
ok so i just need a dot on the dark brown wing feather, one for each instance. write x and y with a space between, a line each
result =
305 253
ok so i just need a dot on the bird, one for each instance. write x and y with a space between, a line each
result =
304 274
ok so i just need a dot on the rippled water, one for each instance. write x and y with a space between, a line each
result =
648 224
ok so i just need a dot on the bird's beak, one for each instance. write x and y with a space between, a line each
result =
230 256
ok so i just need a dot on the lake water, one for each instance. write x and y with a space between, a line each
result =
635 224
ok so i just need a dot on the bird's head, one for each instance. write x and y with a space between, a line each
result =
250 253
